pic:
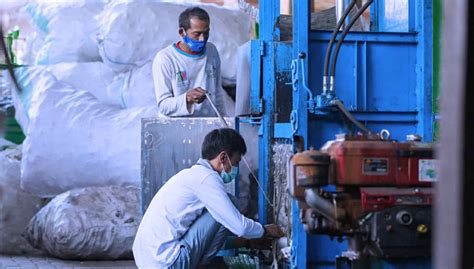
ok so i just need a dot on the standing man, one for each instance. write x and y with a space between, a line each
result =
190 218
184 71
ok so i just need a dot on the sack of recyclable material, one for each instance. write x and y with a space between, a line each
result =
93 77
73 140
91 223
134 87
17 206
132 32
67 29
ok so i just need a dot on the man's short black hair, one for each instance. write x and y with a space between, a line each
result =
224 139
186 16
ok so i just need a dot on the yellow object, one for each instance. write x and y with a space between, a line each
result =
422 229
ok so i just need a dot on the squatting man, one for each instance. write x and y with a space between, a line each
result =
192 216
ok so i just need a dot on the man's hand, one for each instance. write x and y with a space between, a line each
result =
272 230
196 95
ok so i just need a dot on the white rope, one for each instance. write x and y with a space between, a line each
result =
208 97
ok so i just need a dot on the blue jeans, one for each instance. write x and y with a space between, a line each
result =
201 242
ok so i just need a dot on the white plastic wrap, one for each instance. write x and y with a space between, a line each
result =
73 140
132 32
90 223
68 29
17 207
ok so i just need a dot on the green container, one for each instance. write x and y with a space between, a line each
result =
13 131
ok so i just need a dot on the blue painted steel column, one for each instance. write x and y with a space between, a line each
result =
268 32
377 16
411 16
301 15
424 89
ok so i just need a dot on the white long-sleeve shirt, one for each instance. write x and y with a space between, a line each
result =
175 72
177 205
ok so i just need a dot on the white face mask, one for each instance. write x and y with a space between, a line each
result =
228 177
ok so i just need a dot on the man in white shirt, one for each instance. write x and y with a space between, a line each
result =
190 217
184 71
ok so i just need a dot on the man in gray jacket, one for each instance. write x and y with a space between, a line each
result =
184 71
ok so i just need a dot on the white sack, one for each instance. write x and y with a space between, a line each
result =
75 141
17 207
91 223
135 87
68 29
132 32
93 77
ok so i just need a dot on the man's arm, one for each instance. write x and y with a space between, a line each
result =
168 104
212 194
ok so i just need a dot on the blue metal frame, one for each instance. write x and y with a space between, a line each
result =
368 81
301 15
377 13
269 33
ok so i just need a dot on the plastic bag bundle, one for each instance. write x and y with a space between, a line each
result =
90 223
67 29
73 140
94 77
132 32
135 87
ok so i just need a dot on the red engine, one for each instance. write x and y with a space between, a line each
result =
368 161
375 191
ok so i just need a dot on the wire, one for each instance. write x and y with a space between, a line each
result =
208 97
344 33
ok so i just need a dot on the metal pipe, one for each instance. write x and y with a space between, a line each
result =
321 205
340 11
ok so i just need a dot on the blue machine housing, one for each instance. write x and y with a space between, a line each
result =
383 78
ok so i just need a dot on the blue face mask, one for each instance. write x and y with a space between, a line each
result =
195 46
228 177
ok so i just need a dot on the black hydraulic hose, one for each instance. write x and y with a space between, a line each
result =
7 60
349 116
334 34
344 33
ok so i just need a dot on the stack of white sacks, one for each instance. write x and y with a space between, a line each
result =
83 98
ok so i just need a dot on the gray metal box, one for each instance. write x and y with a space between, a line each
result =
170 145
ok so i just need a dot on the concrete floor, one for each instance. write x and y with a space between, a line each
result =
31 262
